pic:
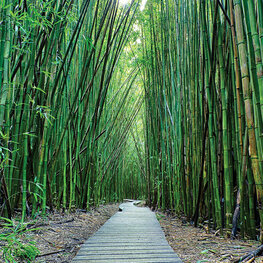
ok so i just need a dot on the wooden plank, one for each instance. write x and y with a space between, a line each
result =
159 260
133 235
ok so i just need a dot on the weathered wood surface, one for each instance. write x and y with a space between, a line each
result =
133 235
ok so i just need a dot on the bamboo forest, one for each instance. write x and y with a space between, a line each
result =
158 100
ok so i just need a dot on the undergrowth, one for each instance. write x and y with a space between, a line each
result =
13 248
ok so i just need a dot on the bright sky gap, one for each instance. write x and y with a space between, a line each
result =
126 2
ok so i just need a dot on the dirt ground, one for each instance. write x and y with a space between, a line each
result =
197 245
60 236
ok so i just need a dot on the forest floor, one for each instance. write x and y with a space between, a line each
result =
59 237
194 244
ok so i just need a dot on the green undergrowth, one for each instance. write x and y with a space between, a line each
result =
159 216
13 248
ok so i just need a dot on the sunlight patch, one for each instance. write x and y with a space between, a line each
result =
124 2
143 4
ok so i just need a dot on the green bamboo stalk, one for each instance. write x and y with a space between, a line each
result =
248 105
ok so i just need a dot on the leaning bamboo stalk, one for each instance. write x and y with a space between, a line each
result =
248 107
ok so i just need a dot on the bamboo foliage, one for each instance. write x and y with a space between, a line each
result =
203 86
95 108
57 66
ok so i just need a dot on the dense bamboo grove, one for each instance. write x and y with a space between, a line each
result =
62 117
203 83
101 102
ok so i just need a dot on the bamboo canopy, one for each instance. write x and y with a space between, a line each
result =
101 101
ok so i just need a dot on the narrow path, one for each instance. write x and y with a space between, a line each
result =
133 235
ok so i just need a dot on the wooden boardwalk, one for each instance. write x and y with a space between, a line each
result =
133 235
